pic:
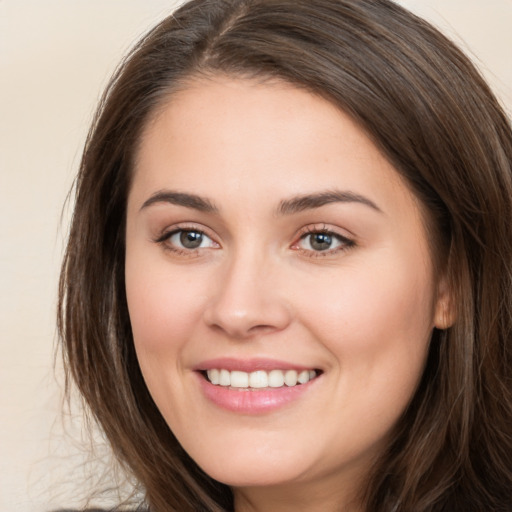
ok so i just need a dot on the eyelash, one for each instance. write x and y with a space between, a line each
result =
345 243
164 240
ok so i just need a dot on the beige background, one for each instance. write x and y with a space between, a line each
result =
55 58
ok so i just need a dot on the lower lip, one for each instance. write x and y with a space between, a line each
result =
256 401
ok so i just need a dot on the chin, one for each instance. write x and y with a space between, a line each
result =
260 467
244 475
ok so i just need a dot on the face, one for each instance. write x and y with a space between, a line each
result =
279 284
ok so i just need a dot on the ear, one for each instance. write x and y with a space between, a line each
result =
444 313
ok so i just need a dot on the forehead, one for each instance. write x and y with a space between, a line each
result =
247 148
243 130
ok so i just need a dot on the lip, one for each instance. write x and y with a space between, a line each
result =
249 365
254 401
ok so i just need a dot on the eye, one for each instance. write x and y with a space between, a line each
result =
323 241
184 240
189 239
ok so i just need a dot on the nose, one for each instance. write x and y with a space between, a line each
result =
248 299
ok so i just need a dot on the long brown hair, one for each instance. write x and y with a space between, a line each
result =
429 111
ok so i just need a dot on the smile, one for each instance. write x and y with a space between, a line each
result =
259 379
256 385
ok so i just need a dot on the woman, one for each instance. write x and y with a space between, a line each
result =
288 279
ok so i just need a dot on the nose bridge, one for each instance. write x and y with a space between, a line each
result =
246 300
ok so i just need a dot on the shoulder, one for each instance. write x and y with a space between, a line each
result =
140 508
100 510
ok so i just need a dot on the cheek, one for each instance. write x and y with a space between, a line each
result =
164 306
383 299
164 310
377 325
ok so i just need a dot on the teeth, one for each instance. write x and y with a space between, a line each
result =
303 377
276 379
239 380
290 378
260 379
225 378
214 376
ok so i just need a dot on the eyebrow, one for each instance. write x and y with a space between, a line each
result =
286 207
310 201
181 199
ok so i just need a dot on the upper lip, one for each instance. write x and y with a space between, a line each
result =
250 365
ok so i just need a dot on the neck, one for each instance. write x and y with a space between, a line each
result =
298 498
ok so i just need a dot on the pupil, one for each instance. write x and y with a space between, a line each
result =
321 241
191 239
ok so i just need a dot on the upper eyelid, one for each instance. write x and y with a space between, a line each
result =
325 228
176 228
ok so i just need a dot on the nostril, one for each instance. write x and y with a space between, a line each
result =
262 329
245 304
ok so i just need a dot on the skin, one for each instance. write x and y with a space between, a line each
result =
361 311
